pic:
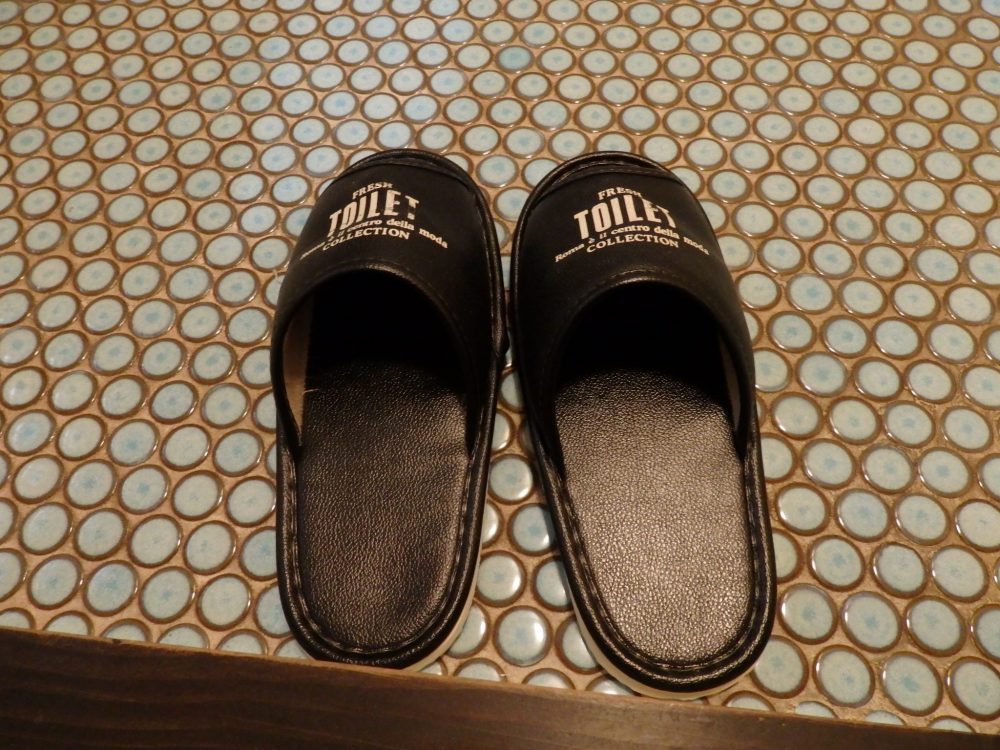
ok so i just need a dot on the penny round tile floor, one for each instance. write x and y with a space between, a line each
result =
157 161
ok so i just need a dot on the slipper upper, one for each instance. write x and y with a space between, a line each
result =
417 218
605 225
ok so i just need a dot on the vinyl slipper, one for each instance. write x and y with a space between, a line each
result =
637 374
387 346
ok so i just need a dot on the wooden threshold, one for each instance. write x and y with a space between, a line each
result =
65 691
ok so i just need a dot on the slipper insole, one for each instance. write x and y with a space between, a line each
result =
381 481
657 486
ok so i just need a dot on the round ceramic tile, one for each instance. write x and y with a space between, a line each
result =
223 602
944 472
807 613
71 623
8 516
250 502
491 524
531 529
815 709
899 569
836 563
821 374
36 479
802 509
908 424
748 702
986 631
522 636
154 541
870 621
844 677
548 678
110 588
243 642
573 649
22 387
793 332
480 669
978 522
921 518
258 556
500 579
846 337
45 527
29 432
127 630
209 547
132 443
269 614
99 534
958 573
196 495
828 463
853 420
862 515
54 581
166 594
862 297
887 469
510 479
781 669
975 687
89 484
551 586
911 683
185 447
11 572
935 625
930 382
143 489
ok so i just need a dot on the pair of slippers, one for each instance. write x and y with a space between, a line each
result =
637 377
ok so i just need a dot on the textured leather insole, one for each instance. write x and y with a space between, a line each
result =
382 474
644 420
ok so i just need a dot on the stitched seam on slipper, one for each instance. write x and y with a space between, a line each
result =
606 167
572 177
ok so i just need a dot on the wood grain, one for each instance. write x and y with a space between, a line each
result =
63 691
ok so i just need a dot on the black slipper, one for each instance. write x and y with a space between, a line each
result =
387 346
637 374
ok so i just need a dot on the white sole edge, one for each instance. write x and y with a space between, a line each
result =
634 685
459 626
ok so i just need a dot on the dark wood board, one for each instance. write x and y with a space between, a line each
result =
64 691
